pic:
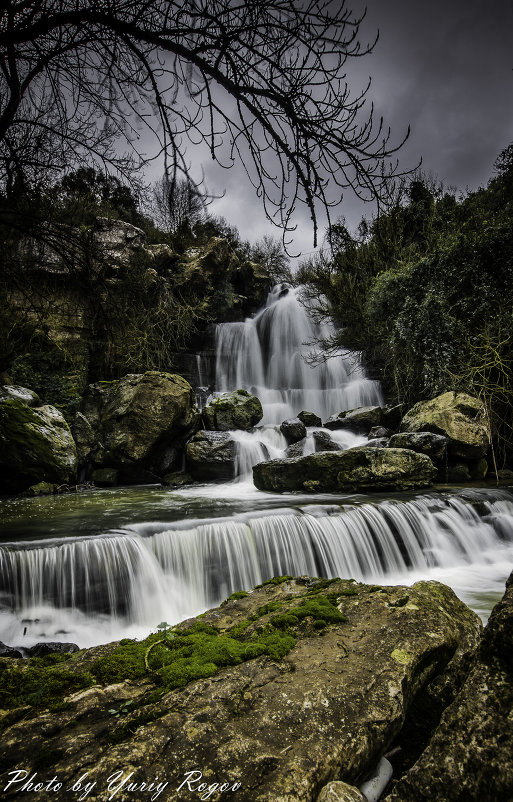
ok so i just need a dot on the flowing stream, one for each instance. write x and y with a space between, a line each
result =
98 566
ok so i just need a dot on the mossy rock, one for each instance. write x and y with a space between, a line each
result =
459 417
237 410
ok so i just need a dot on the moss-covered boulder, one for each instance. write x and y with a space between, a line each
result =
35 445
459 417
357 469
280 691
237 410
293 430
137 425
470 753
211 456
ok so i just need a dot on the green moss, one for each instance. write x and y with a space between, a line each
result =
277 580
348 592
238 594
36 684
320 608
322 584
284 620
270 607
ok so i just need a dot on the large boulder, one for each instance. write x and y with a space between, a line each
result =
357 469
359 421
470 753
35 444
459 417
341 666
211 456
293 429
137 425
309 418
237 410
434 445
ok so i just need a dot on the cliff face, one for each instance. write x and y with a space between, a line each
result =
100 302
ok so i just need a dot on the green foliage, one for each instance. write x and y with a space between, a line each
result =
38 684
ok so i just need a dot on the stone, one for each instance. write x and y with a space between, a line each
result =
281 727
457 416
378 442
211 456
359 421
9 651
391 416
337 791
356 469
293 430
478 469
42 489
434 445
309 418
51 647
137 425
323 442
295 450
377 432
469 754
86 439
457 472
105 477
15 392
35 446
237 410
177 479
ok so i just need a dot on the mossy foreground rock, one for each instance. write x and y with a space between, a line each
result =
211 455
136 425
35 444
237 410
362 468
283 690
458 416
470 754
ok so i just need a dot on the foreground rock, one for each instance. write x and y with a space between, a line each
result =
237 410
459 417
35 443
470 754
136 425
293 430
327 710
356 469
211 456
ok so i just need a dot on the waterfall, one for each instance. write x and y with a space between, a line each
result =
268 356
124 582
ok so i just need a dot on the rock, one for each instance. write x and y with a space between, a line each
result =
211 455
378 432
478 469
237 410
9 651
86 439
457 472
105 477
35 446
337 791
356 469
309 419
137 425
391 416
177 479
359 421
323 442
434 445
459 417
41 489
283 727
378 442
293 430
469 755
295 450
51 647
16 393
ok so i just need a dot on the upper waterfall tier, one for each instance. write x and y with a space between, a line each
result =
268 356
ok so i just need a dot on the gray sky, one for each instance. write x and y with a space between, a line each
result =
444 67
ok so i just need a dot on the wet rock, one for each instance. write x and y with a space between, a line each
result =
337 791
469 755
14 392
137 425
378 442
42 489
295 450
35 446
478 469
52 647
323 442
9 651
391 416
105 477
283 728
211 456
293 430
457 472
237 410
457 416
177 479
356 469
434 445
309 418
359 421
378 432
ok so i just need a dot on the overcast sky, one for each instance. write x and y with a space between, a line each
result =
444 67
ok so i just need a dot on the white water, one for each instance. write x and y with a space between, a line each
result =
123 583
268 356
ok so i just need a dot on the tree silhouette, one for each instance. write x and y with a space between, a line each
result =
99 82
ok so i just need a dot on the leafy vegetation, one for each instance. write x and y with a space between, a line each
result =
425 292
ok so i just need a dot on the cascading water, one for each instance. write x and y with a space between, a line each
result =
124 582
268 356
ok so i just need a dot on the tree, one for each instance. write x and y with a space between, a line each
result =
178 204
88 81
